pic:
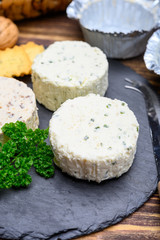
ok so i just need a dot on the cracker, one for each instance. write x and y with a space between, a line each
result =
32 49
14 62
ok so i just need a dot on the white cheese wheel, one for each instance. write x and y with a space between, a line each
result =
17 103
94 137
68 69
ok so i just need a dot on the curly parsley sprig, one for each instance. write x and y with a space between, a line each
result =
24 149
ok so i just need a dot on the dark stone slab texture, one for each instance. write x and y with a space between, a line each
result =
63 207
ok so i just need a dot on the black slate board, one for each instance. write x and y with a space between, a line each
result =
64 207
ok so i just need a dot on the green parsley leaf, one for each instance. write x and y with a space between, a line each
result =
24 149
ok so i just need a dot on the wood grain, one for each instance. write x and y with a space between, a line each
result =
144 224
49 29
159 188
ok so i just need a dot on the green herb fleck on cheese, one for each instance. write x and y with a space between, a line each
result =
97 127
86 138
108 105
92 119
106 126
113 163
129 148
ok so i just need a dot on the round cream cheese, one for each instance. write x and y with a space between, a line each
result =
17 103
94 137
68 69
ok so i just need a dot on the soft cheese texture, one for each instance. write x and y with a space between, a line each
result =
68 69
94 137
17 103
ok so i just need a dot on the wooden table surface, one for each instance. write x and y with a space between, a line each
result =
144 224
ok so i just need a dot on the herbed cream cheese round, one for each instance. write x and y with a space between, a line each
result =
94 137
68 69
17 103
